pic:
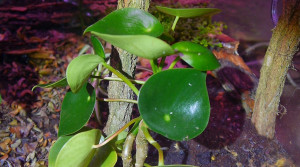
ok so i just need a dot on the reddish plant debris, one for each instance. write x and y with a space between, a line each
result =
16 81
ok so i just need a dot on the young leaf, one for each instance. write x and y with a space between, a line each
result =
76 109
61 83
196 55
105 156
133 30
78 150
80 69
175 104
192 12
98 48
127 21
140 45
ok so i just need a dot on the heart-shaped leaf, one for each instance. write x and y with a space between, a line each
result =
55 149
192 12
80 69
78 151
197 56
61 83
98 48
175 104
105 156
128 21
76 109
140 45
133 30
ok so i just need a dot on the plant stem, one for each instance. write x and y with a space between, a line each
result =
161 64
153 64
154 143
147 165
175 22
141 148
121 76
174 62
117 133
118 79
127 148
117 100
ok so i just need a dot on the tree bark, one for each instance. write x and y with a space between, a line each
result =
120 112
283 45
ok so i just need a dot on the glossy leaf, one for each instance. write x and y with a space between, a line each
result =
197 56
98 48
105 156
127 21
61 83
78 150
191 12
140 45
55 149
76 109
133 30
175 104
80 69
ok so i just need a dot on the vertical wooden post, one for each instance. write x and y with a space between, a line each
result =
120 112
283 45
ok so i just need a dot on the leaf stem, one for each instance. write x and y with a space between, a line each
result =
161 64
175 22
174 62
154 143
153 64
118 132
117 100
118 79
121 76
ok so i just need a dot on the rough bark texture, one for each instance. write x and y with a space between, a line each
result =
119 113
283 45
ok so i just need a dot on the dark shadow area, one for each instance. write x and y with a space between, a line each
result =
226 119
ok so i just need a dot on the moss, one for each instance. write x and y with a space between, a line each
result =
200 30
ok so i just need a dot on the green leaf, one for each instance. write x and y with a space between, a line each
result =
98 48
61 83
133 30
80 69
105 156
76 109
140 45
128 21
0 99
78 150
192 12
197 56
55 149
175 103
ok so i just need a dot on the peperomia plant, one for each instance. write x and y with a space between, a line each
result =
172 102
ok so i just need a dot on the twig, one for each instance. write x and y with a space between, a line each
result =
117 100
117 133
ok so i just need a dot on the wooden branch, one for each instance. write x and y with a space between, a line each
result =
283 45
